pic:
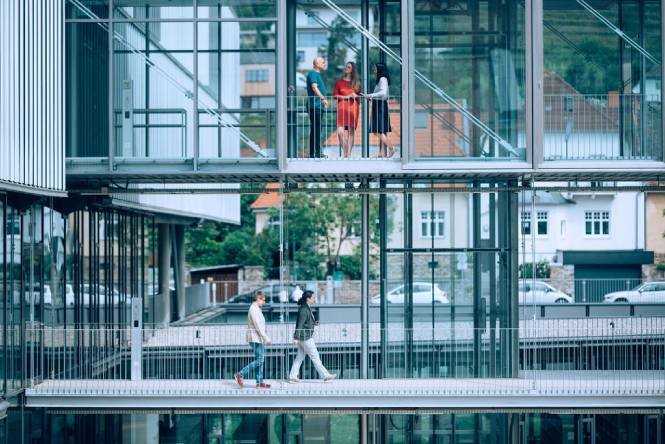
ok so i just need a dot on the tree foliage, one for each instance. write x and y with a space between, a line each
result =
318 228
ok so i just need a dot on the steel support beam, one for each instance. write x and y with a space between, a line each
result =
364 287
281 84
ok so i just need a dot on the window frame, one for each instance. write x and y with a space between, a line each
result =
597 219
432 221
525 220
547 223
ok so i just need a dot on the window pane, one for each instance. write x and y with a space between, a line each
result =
484 77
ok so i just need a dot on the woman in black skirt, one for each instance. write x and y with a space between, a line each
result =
380 119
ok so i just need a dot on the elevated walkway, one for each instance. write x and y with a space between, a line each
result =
533 390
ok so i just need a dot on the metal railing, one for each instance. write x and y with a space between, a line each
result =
575 357
258 124
335 131
154 123
457 290
602 127
589 290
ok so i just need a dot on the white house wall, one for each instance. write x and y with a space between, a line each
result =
457 220
626 226
31 93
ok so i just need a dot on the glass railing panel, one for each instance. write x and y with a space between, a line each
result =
602 127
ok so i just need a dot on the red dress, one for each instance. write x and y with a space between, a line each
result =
348 110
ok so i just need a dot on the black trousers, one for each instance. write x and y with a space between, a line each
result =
315 118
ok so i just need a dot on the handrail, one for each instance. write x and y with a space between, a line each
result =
148 111
617 31
431 85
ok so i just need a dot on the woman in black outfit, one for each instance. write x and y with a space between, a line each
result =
303 339
380 119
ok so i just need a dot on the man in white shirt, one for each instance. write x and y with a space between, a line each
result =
258 339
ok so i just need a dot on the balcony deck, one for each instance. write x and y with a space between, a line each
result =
535 389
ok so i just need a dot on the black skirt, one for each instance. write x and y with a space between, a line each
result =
380 122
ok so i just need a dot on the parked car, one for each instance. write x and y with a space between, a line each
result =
649 292
422 294
36 296
539 292
272 292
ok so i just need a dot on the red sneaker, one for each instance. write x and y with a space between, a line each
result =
239 380
263 385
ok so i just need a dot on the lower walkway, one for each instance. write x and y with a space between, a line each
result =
533 389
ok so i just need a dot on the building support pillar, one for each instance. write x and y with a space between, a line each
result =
364 286
179 268
164 252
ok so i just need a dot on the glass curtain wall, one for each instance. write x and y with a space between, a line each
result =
107 261
68 271
470 80
450 427
14 302
448 274
186 79
316 29
602 80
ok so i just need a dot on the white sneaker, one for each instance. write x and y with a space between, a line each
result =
330 377
294 381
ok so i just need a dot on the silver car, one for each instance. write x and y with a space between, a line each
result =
539 292
649 292
423 293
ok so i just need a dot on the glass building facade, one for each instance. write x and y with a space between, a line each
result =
515 126
458 427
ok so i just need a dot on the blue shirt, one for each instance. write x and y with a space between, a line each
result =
314 77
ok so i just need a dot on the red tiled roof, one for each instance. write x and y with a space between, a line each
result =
267 200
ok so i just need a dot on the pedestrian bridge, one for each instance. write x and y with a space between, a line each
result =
553 389
569 363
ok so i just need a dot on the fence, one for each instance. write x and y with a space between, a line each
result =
623 355
457 291
335 131
603 126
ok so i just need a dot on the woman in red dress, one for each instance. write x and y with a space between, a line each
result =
347 92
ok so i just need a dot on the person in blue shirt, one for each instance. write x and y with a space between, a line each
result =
316 103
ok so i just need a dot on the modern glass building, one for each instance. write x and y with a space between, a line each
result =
467 282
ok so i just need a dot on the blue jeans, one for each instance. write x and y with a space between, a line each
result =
256 364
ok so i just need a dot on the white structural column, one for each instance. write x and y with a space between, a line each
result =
164 231
179 268
534 81
32 150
